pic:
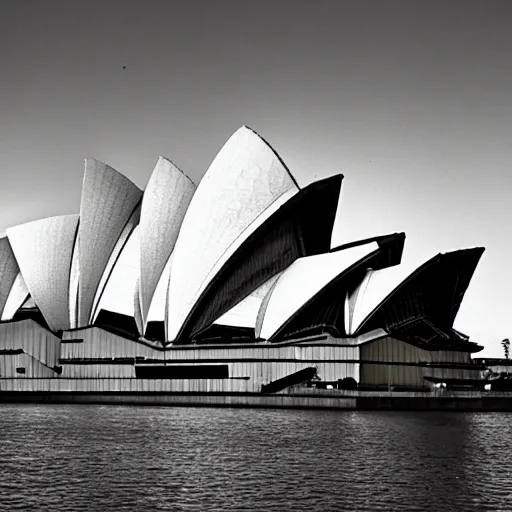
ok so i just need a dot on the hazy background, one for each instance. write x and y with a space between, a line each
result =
410 100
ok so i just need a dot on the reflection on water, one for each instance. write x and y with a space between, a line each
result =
106 458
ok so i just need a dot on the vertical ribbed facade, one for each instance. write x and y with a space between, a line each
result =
33 339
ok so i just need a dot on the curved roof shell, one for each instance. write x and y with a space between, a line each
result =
434 291
313 299
373 289
244 180
43 249
245 249
302 281
109 200
302 226
164 204
244 314
8 271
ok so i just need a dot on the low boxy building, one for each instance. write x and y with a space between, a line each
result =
230 286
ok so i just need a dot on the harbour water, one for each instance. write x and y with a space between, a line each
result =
115 458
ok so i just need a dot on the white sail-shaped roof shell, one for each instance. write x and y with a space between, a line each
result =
372 291
8 271
125 235
165 202
17 297
43 250
302 281
109 200
245 179
123 282
244 314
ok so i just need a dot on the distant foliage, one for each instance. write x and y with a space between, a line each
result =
506 347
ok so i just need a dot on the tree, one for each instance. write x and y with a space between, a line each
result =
506 347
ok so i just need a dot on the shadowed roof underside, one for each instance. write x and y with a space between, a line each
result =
313 298
434 291
245 179
302 281
301 227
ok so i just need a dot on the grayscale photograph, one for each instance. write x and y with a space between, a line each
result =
254 255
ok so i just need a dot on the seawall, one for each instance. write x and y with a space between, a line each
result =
297 398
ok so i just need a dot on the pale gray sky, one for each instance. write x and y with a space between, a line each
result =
411 100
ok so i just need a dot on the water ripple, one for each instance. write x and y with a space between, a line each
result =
106 458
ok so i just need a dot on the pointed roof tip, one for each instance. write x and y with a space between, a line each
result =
394 237
467 250
397 235
458 252
92 160
335 179
90 163
437 258
167 161
251 131
474 249
410 276
164 160
245 127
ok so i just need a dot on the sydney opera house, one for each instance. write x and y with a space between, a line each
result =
224 287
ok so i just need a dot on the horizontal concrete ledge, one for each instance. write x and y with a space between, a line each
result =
369 403
184 399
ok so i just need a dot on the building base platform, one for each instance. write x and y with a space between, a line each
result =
292 399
